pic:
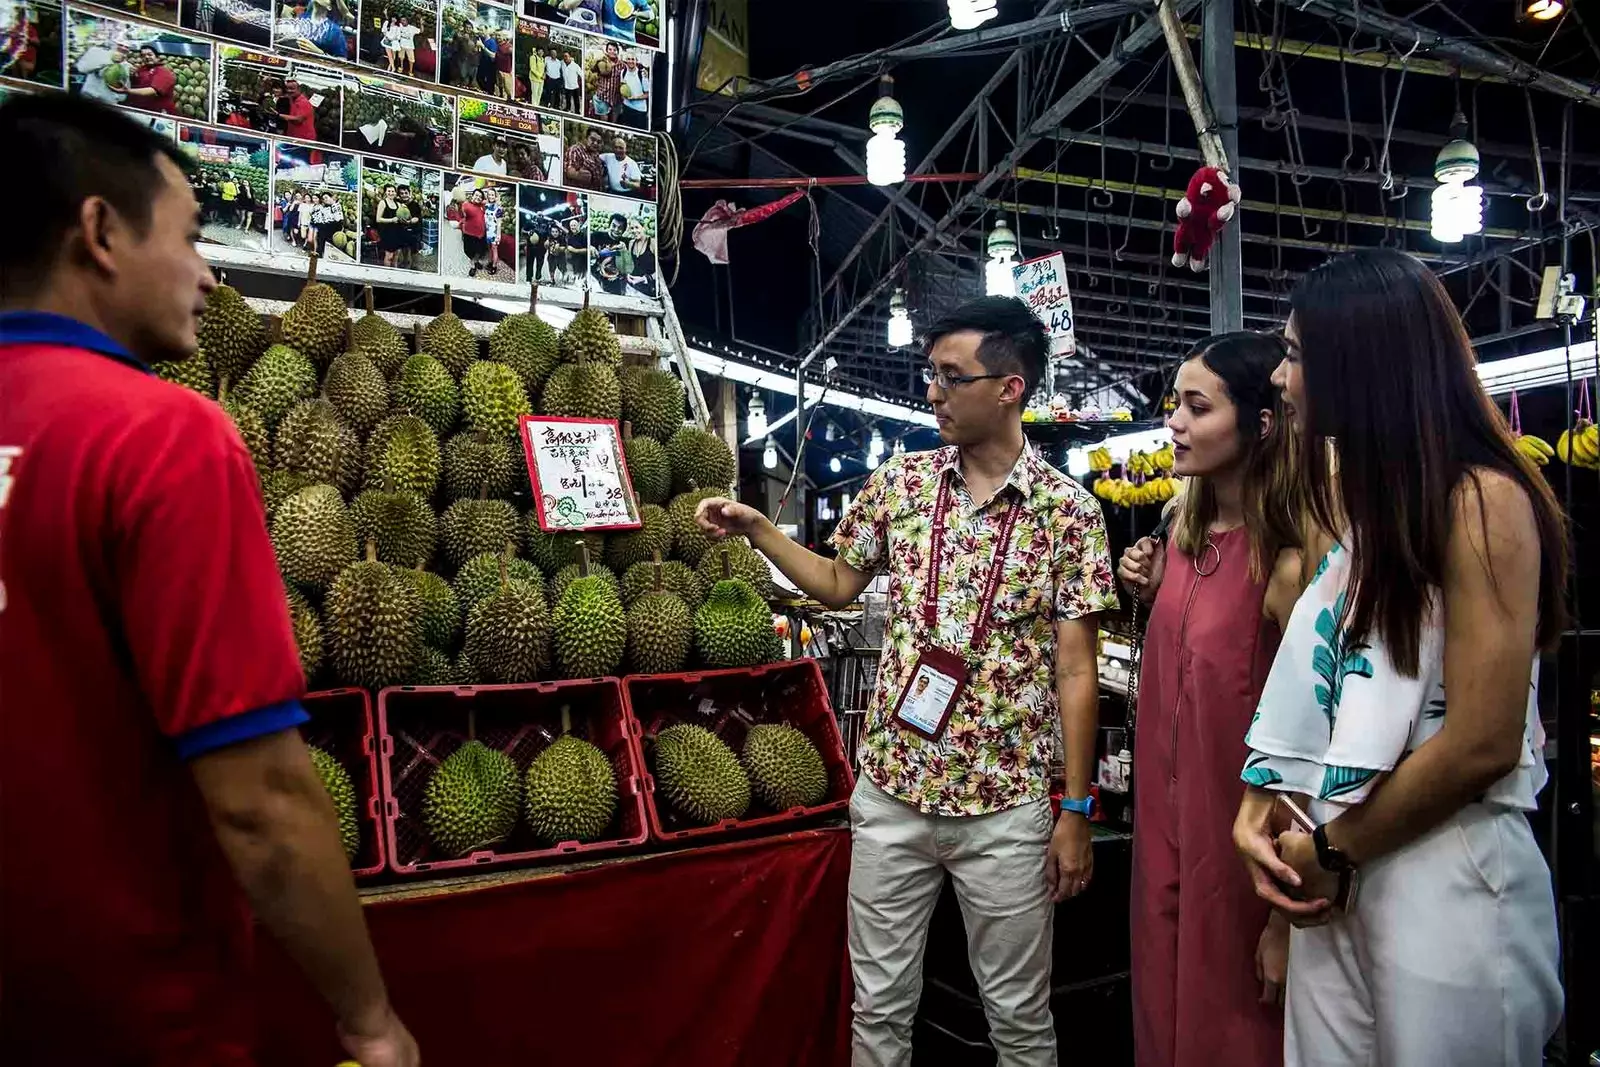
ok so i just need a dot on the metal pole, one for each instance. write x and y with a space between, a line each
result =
1227 275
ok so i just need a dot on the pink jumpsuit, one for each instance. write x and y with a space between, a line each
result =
1195 918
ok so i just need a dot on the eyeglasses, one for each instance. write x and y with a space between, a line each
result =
946 380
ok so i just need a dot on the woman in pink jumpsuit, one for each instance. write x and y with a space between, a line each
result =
1203 954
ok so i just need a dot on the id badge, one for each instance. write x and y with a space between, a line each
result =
930 698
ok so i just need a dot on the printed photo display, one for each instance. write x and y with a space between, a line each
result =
550 67
617 84
625 21
162 125
314 203
478 47
271 94
508 141
139 66
249 21
479 235
232 184
400 215
622 246
163 11
401 37
554 228
397 119
321 27
606 160
32 46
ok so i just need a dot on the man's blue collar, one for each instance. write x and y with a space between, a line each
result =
47 328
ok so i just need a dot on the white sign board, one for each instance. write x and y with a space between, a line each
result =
580 479
1042 285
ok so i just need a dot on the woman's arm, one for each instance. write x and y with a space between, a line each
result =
1284 586
1491 613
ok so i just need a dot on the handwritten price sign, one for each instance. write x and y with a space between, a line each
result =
580 480
1042 285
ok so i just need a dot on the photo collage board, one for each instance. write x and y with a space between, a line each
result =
350 127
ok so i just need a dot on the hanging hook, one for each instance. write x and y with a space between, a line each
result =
1538 201
1096 194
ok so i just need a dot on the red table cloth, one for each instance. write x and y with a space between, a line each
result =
723 956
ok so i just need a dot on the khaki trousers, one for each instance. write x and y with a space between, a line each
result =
898 861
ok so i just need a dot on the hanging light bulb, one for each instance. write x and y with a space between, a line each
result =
1541 10
1002 248
844 504
875 445
769 455
757 416
901 332
899 448
970 14
834 465
1457 206
886 153
831 433
873 460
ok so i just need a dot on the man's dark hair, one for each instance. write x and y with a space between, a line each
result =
75 149
1014 340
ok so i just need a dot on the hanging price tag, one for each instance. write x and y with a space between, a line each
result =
580 479
1042 285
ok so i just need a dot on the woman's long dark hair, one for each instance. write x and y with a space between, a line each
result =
1273 497
1389 378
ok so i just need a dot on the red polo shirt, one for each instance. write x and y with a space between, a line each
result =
141 624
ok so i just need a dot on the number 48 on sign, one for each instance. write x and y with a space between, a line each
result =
1042 285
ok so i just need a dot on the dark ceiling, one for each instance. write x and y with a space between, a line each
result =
1335 154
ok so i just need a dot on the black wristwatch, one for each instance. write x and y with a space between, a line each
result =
1328 857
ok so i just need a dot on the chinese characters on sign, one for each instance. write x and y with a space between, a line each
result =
580 480
1042 285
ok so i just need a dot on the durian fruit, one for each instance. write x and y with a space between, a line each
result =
653 400
571 789
733 628
700 460
472 527
699 775
336 780
589 338
527 344
231 333
463 671
582 391
476 463
252 430
493 399
573 571
479 577
472 799
591 629
317 323
309 441
553 551
379 340
307 632
278 486
192 373
653 538
434 668
402 525
689 541
403 456
314 536
660 629
424 388
678 578
374 624
448 340
279 380
648 468
357 390
441 608
352 460
786 769
748 565
508 633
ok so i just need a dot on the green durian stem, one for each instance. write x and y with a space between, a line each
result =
366 294
447 300
222 389
627 434
311 271
583 558
727 566
372 550
566 719
655 560
472 724
505 564
533 299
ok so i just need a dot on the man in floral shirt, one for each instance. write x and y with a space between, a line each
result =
974 800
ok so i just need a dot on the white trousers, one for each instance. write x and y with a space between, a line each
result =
997 863
1450 957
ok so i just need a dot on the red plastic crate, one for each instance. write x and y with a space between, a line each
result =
341 725
792 692
420 726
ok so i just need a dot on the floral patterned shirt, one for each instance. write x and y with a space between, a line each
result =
997 750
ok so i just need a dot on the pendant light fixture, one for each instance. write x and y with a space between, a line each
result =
834 465
901 332
1539 10
886 153
970 14
769 455
1457 206
756 416
1002 249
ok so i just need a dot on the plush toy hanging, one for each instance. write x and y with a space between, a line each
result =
1205 207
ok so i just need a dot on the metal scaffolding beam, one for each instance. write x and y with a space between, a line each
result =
1227 279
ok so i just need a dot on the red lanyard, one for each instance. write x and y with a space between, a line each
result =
930 603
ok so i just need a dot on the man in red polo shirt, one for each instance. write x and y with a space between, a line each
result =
156 789
299 117
155 87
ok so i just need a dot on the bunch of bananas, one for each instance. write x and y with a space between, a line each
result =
1150 483
1580 446
1162 457
1100 459
1535 448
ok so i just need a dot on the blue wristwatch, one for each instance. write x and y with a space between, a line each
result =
1084 807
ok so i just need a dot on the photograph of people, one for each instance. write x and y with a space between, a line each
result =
545 219
314 202
249 21
622 246
400 36
626 21
397 119
31 43
230 181
478 213
473 36
400 215
138 66
623 175
582 165
322 27
164 11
